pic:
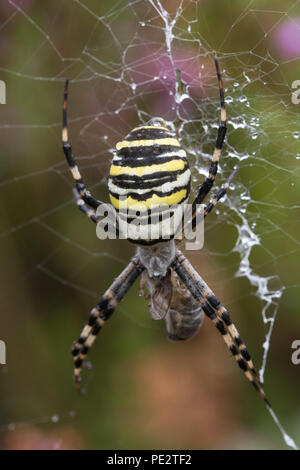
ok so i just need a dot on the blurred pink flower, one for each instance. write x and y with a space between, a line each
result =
287 37
151 64
153 73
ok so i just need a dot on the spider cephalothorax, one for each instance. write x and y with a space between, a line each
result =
150 173
157 258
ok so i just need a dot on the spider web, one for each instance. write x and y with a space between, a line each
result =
124 69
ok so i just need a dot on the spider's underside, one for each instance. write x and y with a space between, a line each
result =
149 169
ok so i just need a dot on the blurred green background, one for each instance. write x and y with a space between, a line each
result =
145 392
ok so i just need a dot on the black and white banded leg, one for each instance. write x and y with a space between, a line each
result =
103 310
209 181
80 186
83 207
217 313
212 203
222 191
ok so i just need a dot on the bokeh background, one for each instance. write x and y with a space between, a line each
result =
145 392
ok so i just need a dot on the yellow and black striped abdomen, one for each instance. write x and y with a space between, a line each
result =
149 172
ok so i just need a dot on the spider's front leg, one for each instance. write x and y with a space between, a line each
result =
191 224
217 313
82 194
209 181
103 310
84 208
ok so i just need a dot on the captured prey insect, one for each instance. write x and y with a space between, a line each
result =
150 171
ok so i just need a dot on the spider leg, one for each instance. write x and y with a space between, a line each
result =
221 319
212 203
111 229
222 191
222 314
103 310
83 207
67 149
209 181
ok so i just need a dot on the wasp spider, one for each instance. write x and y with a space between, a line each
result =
150 168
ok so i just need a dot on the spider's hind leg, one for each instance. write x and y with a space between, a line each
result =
102 312
221 319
